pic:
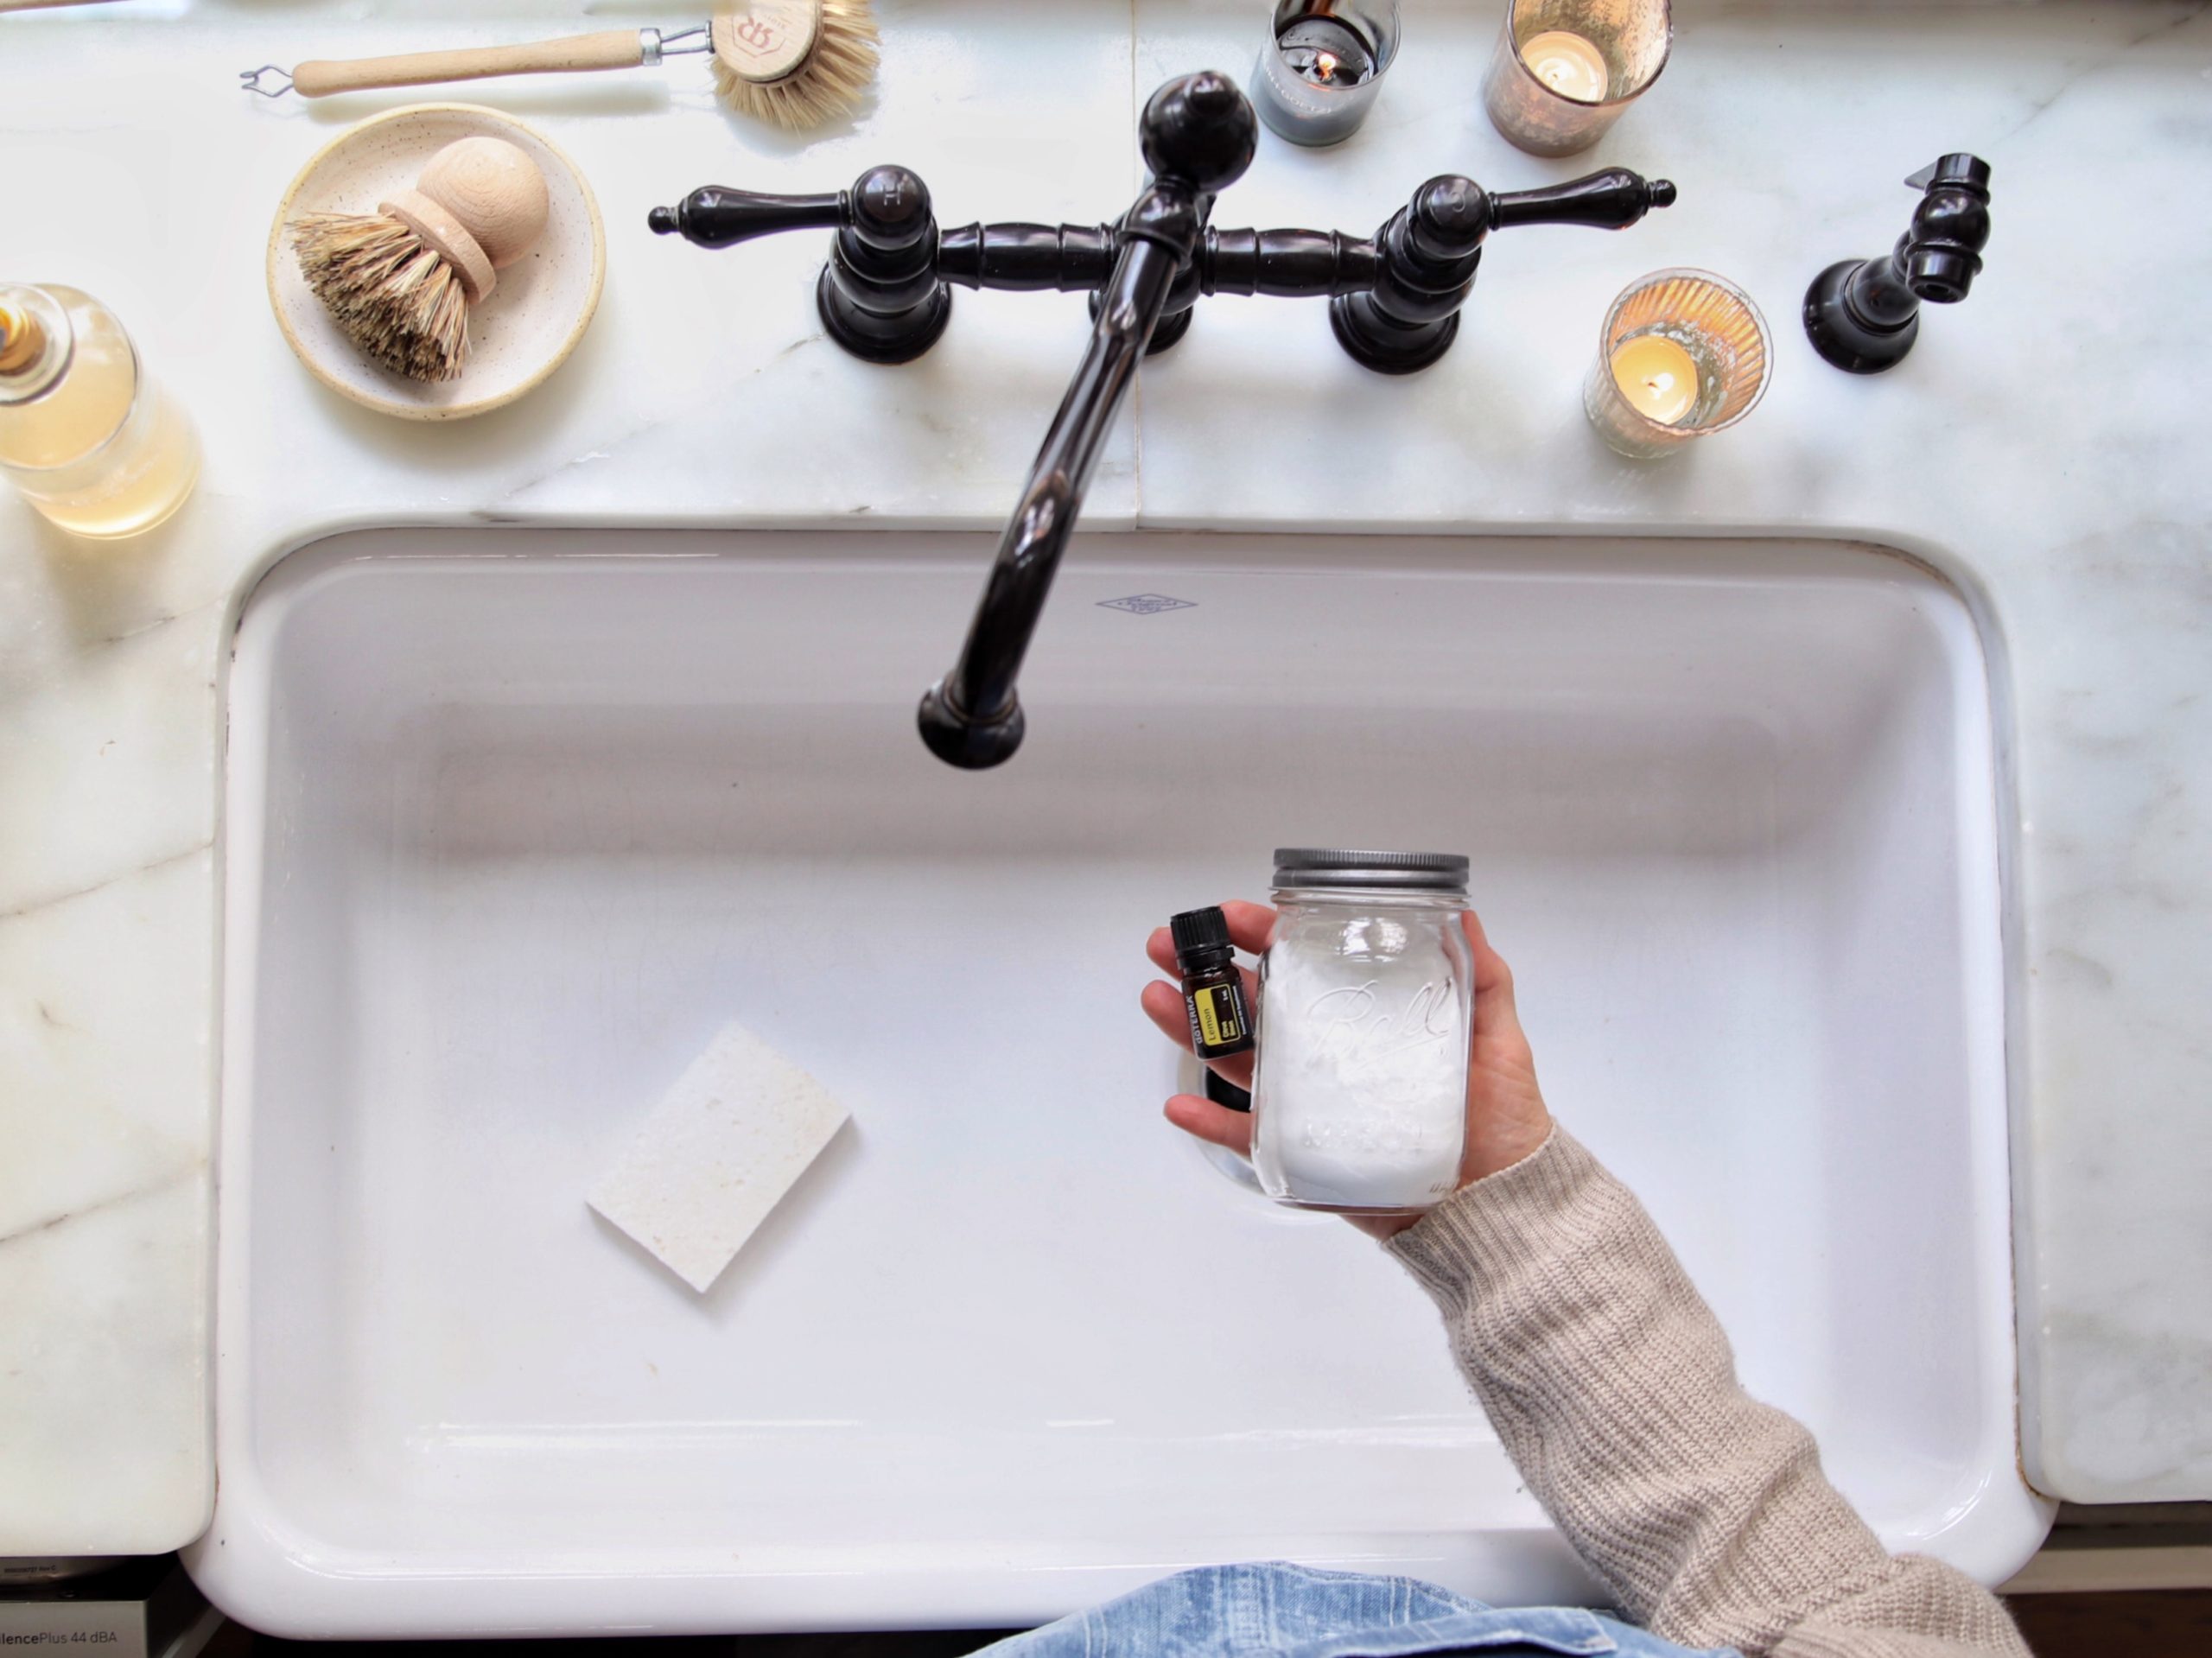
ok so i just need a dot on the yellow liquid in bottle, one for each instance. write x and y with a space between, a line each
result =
97 448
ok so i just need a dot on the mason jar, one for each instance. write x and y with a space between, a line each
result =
1359 1100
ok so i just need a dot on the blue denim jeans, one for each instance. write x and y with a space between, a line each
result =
1294 1612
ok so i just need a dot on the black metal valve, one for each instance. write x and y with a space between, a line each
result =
1425 257
879 295
1864 314
1395 297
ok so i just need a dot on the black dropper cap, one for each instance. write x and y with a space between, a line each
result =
1199 933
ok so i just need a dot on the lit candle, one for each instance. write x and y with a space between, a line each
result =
1683 354
1323 51
1657 376
1322 67
1568 64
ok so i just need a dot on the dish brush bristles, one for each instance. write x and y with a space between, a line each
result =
754 73
392 293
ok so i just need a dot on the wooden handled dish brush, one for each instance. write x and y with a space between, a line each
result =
399 281
795 63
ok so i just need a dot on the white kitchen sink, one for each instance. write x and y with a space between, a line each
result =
517 819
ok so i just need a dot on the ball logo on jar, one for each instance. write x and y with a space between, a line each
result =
1350 1026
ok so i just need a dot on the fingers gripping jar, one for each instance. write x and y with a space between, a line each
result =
1359 1103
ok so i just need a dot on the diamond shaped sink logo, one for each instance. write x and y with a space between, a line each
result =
1147 604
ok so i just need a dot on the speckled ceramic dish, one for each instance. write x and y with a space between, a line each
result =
524 329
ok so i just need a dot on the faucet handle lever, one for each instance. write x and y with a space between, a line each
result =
1424 260
719 216
879 296
1611 200
886 212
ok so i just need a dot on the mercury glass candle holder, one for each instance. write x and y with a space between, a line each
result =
1565 70
1683 354
1322 65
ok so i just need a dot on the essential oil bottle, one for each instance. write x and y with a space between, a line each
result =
1213 990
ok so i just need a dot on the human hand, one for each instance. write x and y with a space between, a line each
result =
1506 1118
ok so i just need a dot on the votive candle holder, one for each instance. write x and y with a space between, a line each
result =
1566 70
1322 67
1683 354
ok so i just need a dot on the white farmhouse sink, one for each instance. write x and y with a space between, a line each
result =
517 819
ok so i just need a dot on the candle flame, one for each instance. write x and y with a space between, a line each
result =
1324 64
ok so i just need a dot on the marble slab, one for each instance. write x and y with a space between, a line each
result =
2043 446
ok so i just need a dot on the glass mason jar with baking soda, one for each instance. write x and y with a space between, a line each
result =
1359 1103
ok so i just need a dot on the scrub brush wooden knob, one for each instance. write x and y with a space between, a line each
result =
400 281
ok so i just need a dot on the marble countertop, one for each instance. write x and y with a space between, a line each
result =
2043 446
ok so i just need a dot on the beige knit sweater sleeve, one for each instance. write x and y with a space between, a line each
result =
1704 1512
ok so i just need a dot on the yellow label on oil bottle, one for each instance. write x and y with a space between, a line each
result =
1216 1016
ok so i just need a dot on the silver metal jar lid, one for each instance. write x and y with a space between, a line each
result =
1341 868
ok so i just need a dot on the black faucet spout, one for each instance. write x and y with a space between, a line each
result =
1199 134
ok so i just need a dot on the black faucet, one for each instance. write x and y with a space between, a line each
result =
1198 134
886 294
1864 314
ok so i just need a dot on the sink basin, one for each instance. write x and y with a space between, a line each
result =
517 819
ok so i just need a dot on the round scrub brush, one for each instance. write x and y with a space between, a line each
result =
399 281
794 63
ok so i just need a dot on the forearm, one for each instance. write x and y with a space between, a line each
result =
1612 1386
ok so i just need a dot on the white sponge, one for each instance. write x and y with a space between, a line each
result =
728 1141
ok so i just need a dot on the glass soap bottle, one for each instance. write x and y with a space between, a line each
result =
86 437
1359 1104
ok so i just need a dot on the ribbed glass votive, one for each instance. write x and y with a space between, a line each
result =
1565 70
1683 354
